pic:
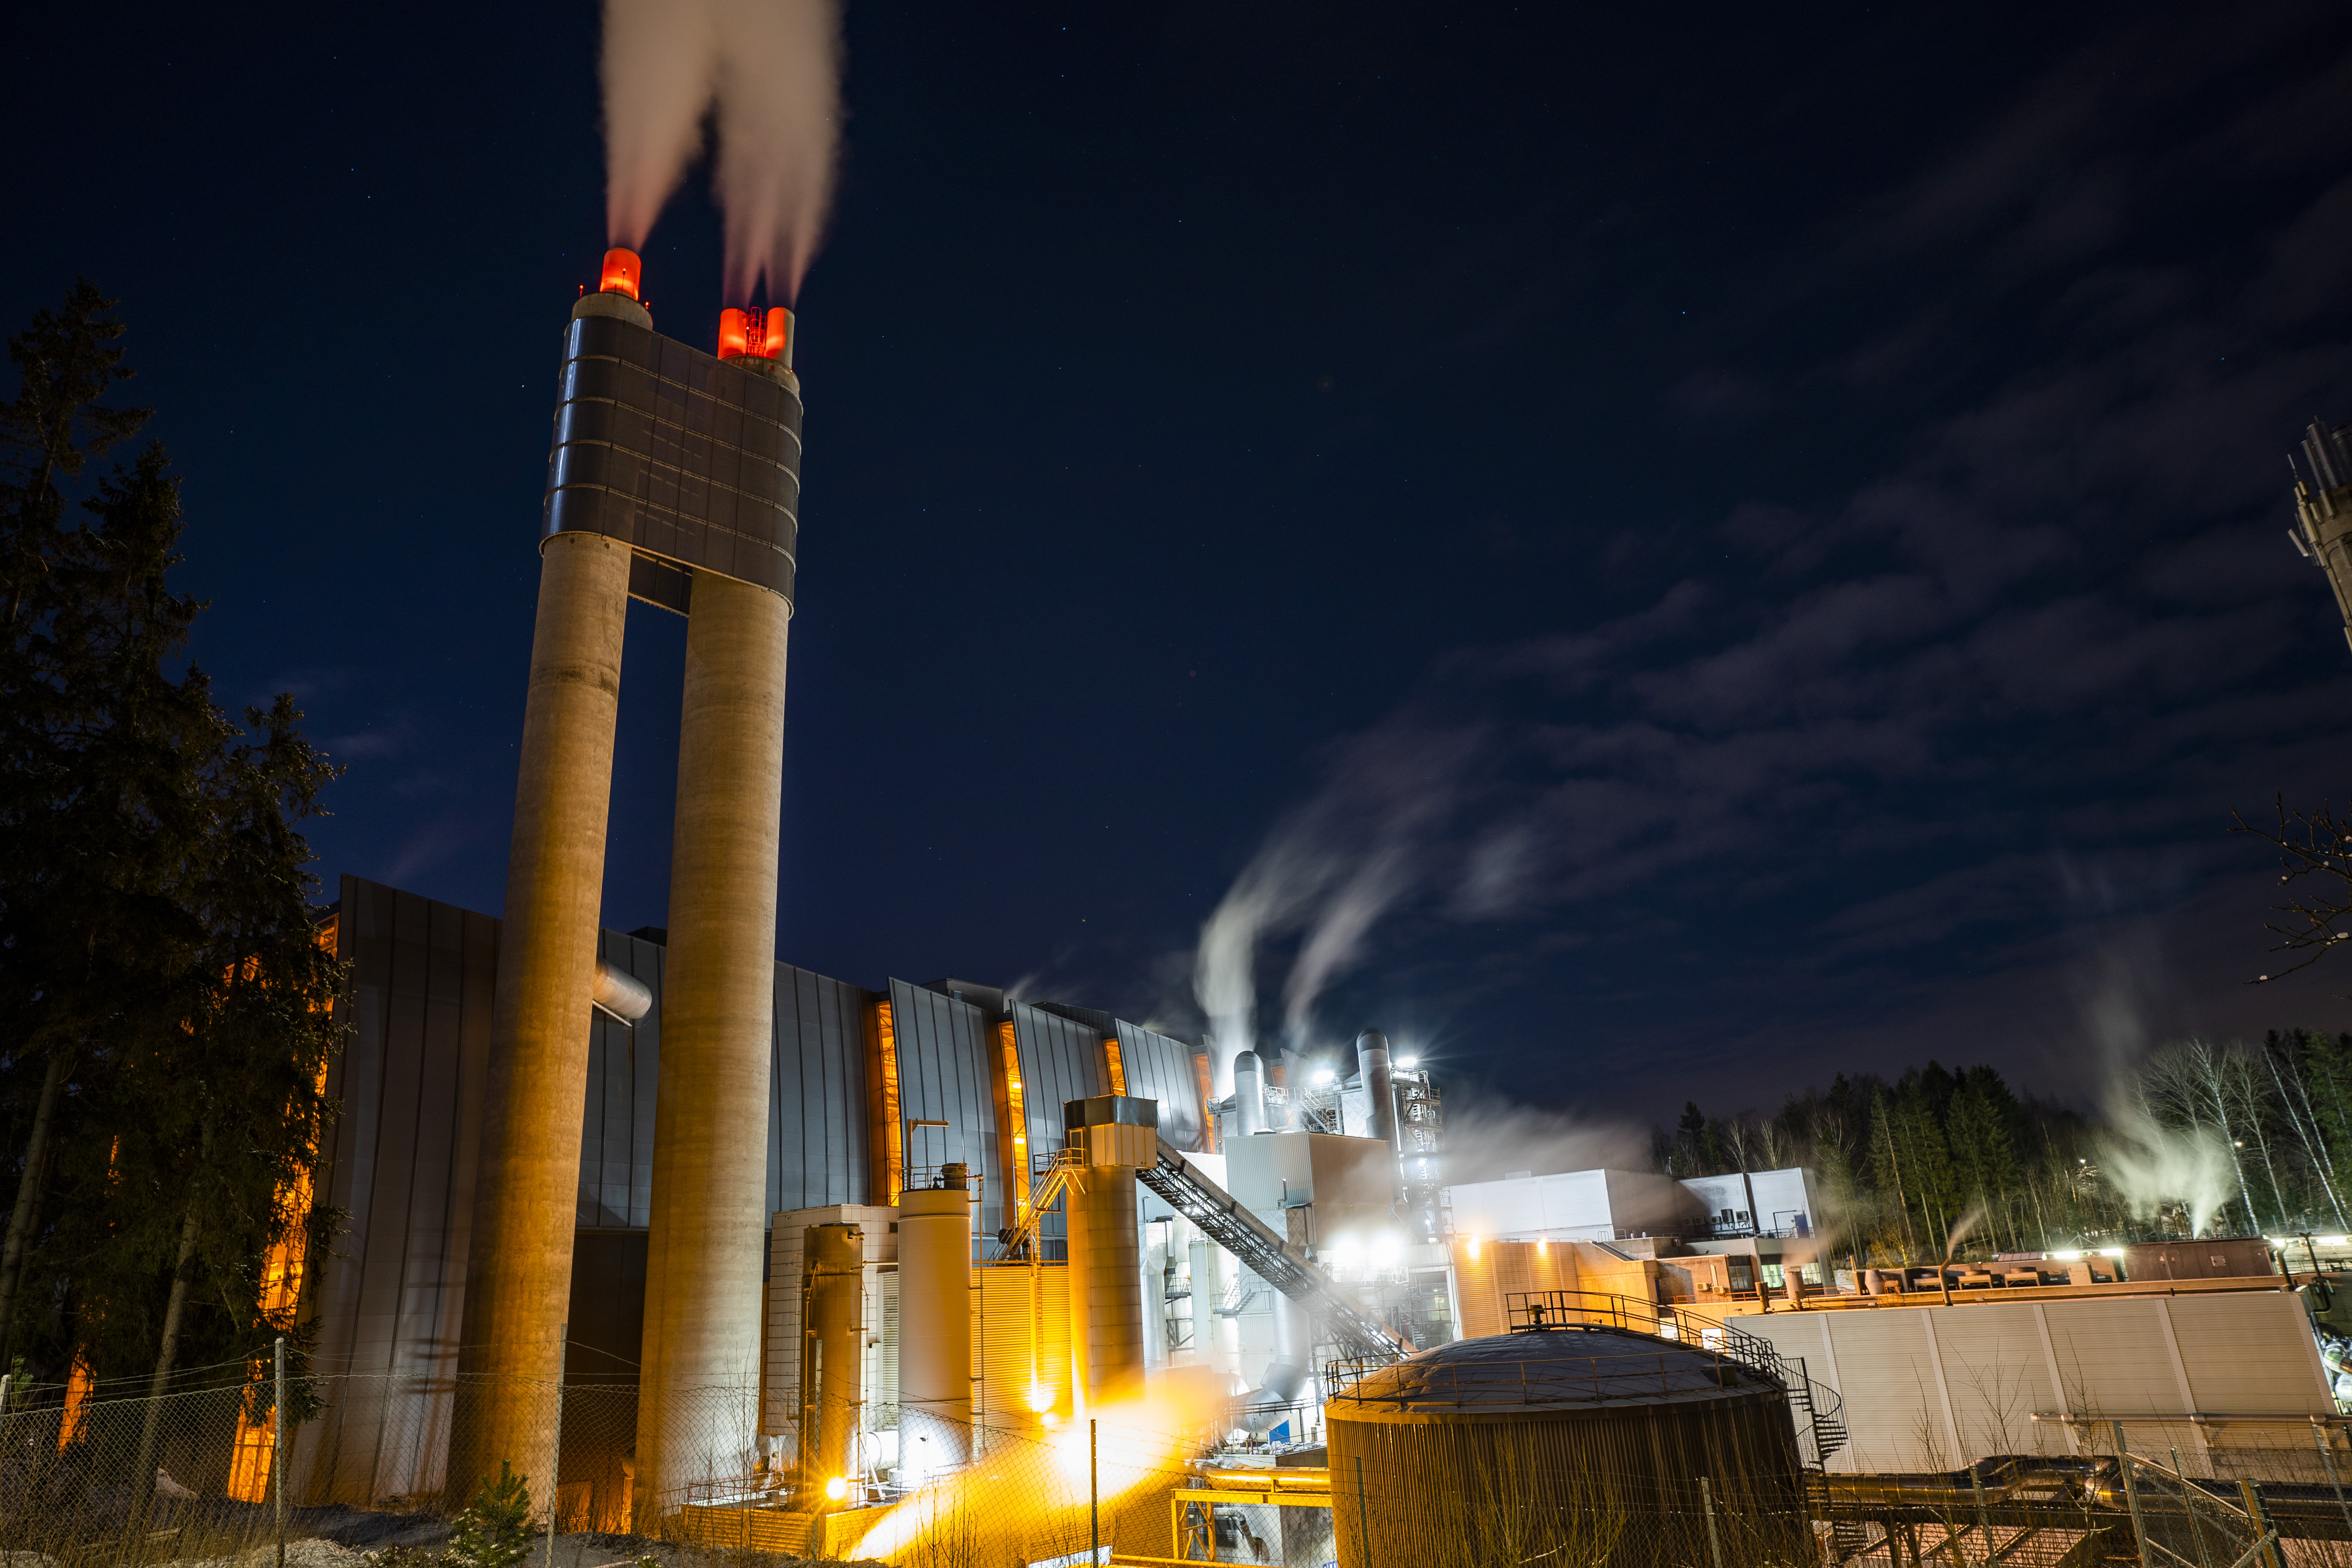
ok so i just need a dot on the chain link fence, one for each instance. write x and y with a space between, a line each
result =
101 1476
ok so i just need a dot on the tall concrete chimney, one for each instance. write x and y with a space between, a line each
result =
674 478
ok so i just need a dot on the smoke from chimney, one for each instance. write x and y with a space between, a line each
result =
769 72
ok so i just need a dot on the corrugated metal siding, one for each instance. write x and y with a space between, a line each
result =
816 1117
1996 1377
1938 1388
2111 1357
943 1073
1061 1059
1160 1067
2240 1364
388 1297
616 1134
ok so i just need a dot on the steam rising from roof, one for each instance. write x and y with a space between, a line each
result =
769 73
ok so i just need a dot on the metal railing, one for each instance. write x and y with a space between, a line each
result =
1218 1215
1819 1413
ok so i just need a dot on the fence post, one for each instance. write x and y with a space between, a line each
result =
1094 1499
1706 1501
2318 1433
277 1441
556 1452
2131 1494
2267 1537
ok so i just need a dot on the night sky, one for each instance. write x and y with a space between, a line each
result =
1743 544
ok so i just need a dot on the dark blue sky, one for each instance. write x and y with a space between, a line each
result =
1754 543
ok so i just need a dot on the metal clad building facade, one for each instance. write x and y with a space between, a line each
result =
1160 1067
816 1091
1935 1388
388 1296
616 1137
943 1076
1061 1059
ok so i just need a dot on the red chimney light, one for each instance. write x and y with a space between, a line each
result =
753 334
621 270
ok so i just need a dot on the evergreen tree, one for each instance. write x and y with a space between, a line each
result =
495 1529
156 942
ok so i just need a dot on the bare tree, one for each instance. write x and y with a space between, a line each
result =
2315 857
2189 1082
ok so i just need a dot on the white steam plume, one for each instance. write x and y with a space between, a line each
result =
770 69
1330 872
2148 1163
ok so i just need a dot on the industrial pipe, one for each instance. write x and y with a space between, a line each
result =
833 1343
1267 1405
1379 1088
1249 1093
935 1326
620 995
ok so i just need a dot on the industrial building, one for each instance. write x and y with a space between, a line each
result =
874 1094
694 1232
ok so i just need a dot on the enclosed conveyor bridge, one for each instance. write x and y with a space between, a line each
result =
1220 1217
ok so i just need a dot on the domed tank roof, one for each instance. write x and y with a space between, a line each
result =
1553 1371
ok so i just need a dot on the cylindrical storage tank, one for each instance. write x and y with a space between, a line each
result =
1379 1084
935 1327
1570 1445
1249 1093
1106 1286
832 1341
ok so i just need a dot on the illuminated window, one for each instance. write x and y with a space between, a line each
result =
1117 1069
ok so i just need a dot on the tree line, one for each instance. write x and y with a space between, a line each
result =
2197 1138
165 1001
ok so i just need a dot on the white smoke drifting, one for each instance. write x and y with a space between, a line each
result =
1327 874
2148 1163
769 71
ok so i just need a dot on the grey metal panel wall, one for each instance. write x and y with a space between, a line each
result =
1160 1067
817 1113
1061 1059
388 1296
616 1134
678 453
943 1073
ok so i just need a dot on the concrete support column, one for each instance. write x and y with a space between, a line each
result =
709 1202
518 1268
935 1328
1106 1287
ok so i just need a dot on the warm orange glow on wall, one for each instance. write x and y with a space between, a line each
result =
78 1383
622 268
1117 1069
893 1130
1208 1087
281 1302
1016 1118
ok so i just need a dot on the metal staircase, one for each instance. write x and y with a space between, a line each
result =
1221 1217
1816 1412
